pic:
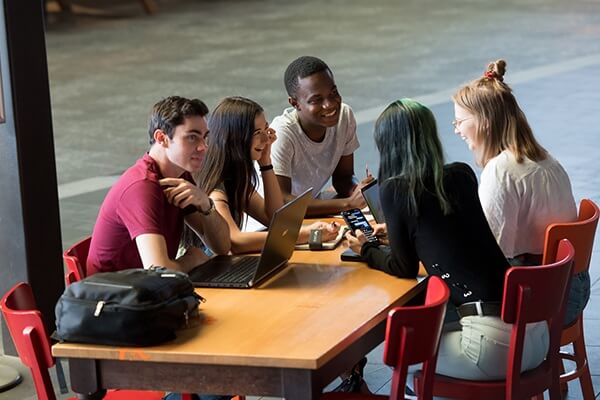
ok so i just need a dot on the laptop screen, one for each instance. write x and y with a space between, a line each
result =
283 233
371 195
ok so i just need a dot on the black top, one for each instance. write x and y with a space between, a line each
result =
459 247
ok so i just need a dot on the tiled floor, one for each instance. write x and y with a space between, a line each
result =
106 71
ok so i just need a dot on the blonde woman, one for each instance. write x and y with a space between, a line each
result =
522 187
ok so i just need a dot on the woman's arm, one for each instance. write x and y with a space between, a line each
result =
262 209
400 257
241 242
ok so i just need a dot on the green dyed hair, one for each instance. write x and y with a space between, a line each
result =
410 150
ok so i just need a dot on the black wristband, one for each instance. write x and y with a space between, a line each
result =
264 168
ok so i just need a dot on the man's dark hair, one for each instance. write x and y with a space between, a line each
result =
300 68
172 111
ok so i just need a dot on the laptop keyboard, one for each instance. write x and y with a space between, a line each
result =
242 271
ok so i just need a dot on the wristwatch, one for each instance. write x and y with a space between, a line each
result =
211 208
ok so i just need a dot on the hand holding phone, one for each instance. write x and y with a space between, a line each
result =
355 219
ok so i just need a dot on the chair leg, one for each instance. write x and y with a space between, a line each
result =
564 386
585 380
60 376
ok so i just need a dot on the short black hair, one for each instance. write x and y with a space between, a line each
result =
300 68
171 111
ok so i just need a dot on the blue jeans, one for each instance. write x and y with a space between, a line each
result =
177 396
578 296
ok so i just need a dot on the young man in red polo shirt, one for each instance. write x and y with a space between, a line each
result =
141 219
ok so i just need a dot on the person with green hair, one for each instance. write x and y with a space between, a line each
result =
433 215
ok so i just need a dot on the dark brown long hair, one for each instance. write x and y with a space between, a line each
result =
228 163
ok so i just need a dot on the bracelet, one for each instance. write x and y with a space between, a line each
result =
210 210
264 168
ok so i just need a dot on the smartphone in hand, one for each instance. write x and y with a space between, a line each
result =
355 219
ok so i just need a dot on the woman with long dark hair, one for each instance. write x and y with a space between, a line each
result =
433 215
239 136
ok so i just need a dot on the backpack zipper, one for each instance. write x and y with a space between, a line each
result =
99 306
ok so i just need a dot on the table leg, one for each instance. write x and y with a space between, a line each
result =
84 379
300 384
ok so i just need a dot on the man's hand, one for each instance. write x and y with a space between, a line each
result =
152 248
356 242
356 199
182 193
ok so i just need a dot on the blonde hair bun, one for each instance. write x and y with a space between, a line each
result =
498 68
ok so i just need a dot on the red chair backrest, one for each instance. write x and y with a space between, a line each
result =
413 335
75 258
29 335
580 233
533 294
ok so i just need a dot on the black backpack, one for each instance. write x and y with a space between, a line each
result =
133 307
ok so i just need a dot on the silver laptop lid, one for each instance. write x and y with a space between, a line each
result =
282 235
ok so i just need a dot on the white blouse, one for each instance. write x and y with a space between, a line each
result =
521 199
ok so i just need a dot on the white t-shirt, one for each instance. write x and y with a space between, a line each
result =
521 200
308 163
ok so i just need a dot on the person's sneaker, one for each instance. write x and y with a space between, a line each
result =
409 393
355 383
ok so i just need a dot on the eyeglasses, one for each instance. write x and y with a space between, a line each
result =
456 122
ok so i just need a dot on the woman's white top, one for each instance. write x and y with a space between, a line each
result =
521 199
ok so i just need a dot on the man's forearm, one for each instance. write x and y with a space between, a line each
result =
318 207
344 185
212 229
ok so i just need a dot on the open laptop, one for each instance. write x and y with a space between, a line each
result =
248 271
371 194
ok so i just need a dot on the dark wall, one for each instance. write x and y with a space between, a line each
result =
30 243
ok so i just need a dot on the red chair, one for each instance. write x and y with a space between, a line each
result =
412 336
581 234
75 257
531 294
27 330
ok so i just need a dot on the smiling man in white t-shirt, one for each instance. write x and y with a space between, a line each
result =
316 139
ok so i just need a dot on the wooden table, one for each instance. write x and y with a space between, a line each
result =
289 338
